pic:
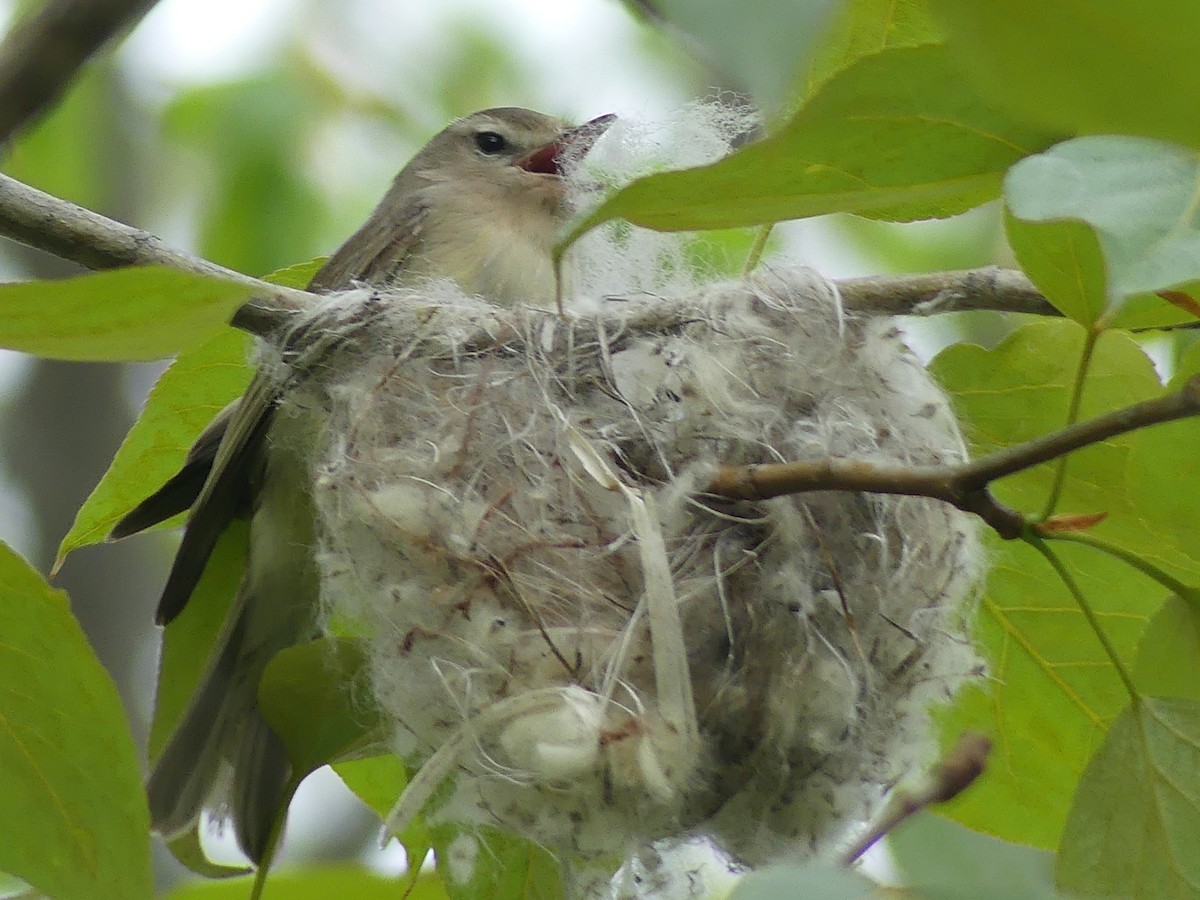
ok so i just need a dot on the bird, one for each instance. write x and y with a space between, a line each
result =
481 204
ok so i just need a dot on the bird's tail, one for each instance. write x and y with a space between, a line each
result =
222 723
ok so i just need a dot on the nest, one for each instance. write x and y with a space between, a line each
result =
578 642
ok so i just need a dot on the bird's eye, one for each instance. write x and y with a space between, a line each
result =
490 142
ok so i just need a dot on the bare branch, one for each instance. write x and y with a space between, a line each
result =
94 241
1180 405
992 288
41 55
956 772
965 486
761 482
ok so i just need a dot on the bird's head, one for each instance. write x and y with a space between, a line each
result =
507 146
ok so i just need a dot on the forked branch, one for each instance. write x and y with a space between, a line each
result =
967 485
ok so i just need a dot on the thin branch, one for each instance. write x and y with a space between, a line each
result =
991 288
964 486
45 50
1180 405
761 482
1089 613
956 772
94 241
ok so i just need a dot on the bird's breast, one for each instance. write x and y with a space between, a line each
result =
495 243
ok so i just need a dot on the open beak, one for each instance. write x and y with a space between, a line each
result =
545 160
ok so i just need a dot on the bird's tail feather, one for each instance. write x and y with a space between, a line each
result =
260 786
222 723
185 773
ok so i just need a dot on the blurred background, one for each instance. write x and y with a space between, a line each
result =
260 133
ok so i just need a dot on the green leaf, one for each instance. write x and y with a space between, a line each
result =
73 822
1163 473
895 135
188 850
761 45
944 861
376 780
123 315
190 393
315 883
311 695
1052 691
964 242
489 864
1021 389
1099 66
185 399
298 275
1138 196
1132 831
1064 260
864 27
1168 657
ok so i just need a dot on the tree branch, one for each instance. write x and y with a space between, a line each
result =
42 53
956 772
94 241
991 288
965 486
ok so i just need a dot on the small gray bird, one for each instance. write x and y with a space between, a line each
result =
482 204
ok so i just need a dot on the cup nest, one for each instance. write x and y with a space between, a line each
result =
573 637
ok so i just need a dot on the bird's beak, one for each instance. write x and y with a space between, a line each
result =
545 160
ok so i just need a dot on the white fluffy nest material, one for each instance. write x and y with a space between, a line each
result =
580 645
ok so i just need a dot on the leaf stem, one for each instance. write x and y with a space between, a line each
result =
1060 471
761 236
1086 608
1188 593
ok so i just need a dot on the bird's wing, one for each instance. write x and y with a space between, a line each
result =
227 491
379 250
217 478
180 492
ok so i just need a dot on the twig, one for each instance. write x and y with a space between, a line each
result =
94 241
1183 403
41 55
964 486
954 774
991 288
761 482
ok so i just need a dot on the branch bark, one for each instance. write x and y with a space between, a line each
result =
93 241
68 231
992 288
45 50
966 486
